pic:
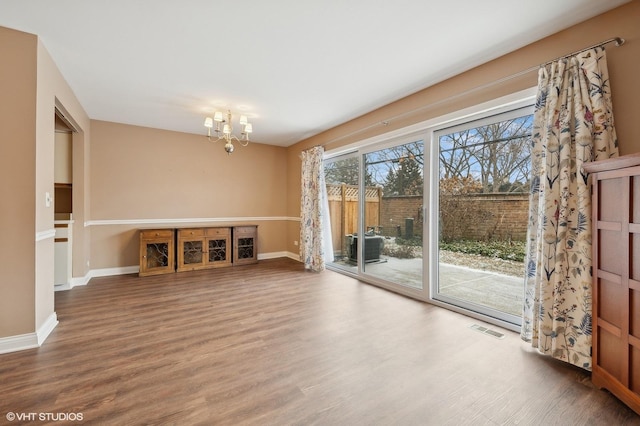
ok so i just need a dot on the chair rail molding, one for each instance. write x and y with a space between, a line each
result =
238 219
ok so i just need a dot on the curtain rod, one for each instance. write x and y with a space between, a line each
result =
618 41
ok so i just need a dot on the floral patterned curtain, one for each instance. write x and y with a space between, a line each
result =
315 241
573 124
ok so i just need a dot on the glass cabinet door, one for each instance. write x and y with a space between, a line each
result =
191 249
156 251
245 248
217 250
192 252
218 243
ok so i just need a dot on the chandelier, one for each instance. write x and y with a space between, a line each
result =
224 130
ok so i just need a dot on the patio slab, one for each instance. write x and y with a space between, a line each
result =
489 289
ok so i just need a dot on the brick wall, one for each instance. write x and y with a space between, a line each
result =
472 217
394 210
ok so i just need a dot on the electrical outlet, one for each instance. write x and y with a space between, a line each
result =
47 199
295 243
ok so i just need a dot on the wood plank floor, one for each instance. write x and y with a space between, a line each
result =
271 344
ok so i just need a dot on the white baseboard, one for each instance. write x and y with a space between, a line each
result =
107 272
46 328
294 256
75 282
63 287
272 255
22 342
18 343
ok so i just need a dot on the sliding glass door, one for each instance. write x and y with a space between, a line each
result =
393 214
439 211
482 204
376 205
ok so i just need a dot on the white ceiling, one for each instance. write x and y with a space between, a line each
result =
294 67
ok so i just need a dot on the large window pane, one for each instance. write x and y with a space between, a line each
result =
483 204
393 214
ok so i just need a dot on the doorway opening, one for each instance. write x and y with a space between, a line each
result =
63 201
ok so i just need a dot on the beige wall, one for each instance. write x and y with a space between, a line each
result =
449 96
150 178
31 86
17 181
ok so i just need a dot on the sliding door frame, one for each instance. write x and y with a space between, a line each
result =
418 293
469 123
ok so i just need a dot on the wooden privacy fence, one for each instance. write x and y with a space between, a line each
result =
343 210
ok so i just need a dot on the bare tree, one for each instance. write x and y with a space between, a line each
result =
456 159
504 157
497 155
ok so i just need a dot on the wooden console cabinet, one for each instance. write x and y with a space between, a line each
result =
616 277
200 248
186 249
157 251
